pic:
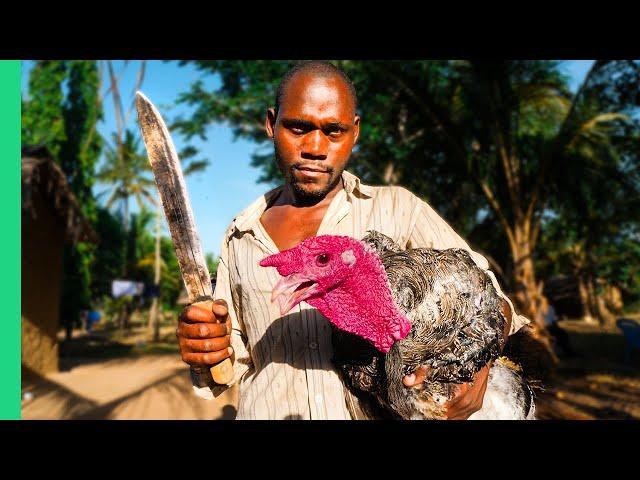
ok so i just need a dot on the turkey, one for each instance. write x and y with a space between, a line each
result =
395 310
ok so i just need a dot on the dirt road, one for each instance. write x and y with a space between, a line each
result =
151 387
595 384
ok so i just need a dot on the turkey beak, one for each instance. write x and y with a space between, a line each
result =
292 290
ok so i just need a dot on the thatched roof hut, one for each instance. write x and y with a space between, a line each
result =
51 217
41 176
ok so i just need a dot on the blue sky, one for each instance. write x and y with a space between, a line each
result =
229 184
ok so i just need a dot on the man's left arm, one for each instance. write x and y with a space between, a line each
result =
429 230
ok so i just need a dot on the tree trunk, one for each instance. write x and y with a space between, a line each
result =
121 317
390 175
606 317
598 306
528 296
588 313
153 319
125 229
153 312
528 292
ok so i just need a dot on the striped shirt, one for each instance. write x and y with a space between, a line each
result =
283 364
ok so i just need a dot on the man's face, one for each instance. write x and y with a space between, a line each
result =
314 133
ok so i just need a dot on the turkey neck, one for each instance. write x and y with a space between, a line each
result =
362 304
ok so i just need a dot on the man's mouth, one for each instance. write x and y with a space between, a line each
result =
292 290
311 172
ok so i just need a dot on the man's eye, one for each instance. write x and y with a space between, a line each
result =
322 259
335 133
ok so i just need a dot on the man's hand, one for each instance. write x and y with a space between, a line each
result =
205 335
468 397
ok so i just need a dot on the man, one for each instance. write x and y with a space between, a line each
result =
283 365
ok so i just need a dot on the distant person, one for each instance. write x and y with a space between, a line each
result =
84 319
93 317
551 323
284 369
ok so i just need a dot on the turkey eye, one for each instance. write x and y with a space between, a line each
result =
322 259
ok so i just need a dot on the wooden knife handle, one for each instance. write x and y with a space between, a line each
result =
221 373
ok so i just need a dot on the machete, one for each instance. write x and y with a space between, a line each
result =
177 209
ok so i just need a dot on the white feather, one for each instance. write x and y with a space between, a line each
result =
504 399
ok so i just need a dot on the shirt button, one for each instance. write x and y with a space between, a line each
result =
313 345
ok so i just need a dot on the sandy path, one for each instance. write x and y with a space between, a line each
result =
144 388
595 385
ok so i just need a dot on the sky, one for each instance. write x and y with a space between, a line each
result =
229 184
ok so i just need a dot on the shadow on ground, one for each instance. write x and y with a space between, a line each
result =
159 390
595 382
128 378
101 378
99 346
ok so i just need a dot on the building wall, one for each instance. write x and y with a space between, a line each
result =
42 246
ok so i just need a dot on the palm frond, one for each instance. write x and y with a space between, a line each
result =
195 166
597 129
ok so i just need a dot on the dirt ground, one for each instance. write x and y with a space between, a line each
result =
102 379
594 383
105 376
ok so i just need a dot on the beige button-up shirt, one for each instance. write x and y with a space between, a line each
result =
283 364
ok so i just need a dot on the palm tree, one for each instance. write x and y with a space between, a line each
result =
488 143
595 235
540 140
126 169
518 132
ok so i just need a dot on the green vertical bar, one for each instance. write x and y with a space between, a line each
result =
10 239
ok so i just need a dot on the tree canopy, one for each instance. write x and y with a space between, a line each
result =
62 113
493 146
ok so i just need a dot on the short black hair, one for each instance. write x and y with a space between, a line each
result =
317 67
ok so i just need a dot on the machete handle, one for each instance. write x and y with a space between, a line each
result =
221 373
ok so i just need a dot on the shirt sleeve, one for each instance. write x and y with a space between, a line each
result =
241 357
431 231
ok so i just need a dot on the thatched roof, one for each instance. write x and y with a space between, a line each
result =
41 174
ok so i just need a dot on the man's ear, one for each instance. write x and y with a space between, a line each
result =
270 122
356 129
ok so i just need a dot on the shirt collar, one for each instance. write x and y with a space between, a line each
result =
352 183
244 220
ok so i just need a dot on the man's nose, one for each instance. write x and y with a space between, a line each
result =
315 145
